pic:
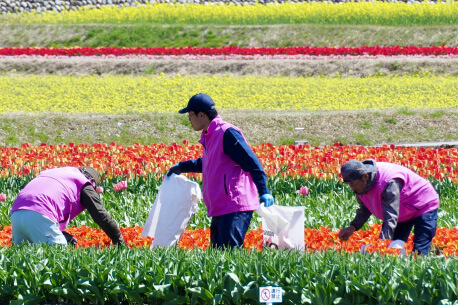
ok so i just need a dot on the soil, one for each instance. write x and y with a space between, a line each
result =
315 128
284 67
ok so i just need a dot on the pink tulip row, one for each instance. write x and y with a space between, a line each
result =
228 57
232 50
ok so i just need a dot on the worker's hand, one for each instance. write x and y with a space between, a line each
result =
71 240
346 233
174 170
267 199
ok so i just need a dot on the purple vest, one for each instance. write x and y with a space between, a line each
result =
54 193
226 187
418 196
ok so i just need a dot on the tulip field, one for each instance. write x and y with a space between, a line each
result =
132 176
329 271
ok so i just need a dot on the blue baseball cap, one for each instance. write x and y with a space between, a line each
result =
199 102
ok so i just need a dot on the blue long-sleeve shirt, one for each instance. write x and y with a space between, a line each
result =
235 146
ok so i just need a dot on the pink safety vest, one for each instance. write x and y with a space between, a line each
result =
226 187
418 196
54 193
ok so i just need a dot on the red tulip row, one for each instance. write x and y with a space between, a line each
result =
316 51
445 242
284 160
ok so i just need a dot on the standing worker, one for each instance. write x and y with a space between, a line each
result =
398 196
233 178
46 205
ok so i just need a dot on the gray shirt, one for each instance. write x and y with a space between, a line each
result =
91 200
391 196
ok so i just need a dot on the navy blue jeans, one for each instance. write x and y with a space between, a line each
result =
424 231
229 230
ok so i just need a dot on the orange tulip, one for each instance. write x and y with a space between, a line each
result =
445 242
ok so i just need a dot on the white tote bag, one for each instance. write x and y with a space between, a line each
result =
283 227
175 204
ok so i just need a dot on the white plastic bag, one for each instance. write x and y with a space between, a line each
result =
363 248
398 244
283 227
175 204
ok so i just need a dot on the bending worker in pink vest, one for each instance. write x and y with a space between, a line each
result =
46 205
398 196
233 178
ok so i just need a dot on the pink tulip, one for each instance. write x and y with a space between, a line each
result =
304 190
122 185
2 197
99 190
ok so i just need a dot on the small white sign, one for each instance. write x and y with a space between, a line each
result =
270 294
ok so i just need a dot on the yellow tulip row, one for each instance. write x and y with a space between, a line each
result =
126 94
374 12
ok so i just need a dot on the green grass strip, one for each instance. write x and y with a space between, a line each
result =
376 13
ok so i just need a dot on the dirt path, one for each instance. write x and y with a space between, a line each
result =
317 128
272 67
